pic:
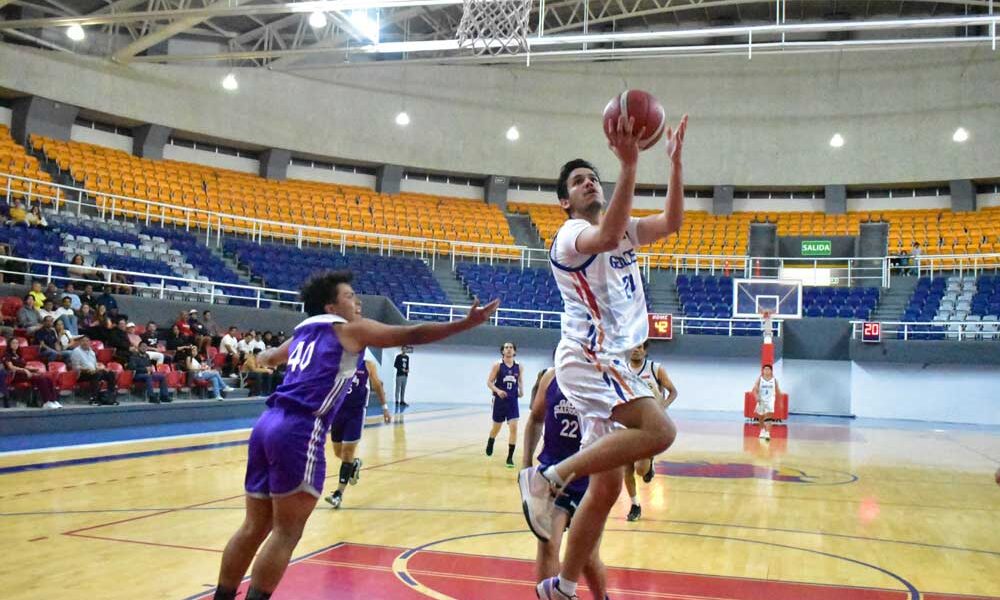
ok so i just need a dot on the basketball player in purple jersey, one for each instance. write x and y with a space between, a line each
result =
554 419
345 431
505 383
286 463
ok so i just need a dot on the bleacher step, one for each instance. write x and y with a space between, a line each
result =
524 231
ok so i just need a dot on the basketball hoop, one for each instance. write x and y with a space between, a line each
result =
494 27
766 325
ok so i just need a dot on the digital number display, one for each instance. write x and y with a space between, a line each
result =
661 326
871 332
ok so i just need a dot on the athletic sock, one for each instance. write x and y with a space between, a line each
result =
255 594
489 446
222 593
553 477
635 500
565 586
510 452
346 470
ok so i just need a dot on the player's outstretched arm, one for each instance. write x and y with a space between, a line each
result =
535 423
659 226
624 142
272 357
362 333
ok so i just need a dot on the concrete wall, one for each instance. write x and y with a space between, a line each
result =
760 122
80 133
5 115
211 159
420 186
328 176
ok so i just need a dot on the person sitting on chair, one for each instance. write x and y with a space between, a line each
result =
140 363
85 363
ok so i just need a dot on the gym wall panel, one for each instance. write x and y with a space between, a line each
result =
211 159
900 203
101 138
328 176
5 116
418 186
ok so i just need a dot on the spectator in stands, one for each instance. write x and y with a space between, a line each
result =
8 265
87 297
87 318
101 314
269 340
66 315
21 372
35 218
133 337
81 271
47 340
151 335
202 372
37 293
212 329
183 325
261 379
140 364
177 341
52 292
70 292
201 338
28 317
120 284
66 340
47 310
18 214
915 252
245 345
108 302
84 362
258 343
228 348
117 339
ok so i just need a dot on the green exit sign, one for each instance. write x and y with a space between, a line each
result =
817 248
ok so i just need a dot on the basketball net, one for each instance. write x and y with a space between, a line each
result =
494 27
767 325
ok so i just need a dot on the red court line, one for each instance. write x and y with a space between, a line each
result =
363 572
128 541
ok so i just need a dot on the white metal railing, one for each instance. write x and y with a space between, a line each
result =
849 271
540 318
202 291
934 330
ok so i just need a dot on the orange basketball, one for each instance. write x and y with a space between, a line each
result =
644 108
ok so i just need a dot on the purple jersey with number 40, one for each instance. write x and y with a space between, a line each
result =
319 370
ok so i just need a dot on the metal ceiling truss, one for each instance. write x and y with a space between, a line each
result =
277 34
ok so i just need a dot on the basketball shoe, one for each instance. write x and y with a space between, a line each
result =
356 473
548 589
538 496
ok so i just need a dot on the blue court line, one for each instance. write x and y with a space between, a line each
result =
181 449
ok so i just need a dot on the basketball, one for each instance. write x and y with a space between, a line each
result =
644 108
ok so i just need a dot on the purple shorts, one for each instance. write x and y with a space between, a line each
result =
505 409
286 455
347 424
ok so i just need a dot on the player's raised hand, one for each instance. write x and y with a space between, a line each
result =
623 141
675 140
479 315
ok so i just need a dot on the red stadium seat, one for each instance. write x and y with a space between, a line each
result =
66 382
29 353
96 345
105 355
125 378
57 367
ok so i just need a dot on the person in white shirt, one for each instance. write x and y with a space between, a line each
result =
764 392
229 346
594 262
67 315
258 343
244 345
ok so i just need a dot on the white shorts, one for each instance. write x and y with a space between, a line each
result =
595 384
765 406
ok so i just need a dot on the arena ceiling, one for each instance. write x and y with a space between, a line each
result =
278 35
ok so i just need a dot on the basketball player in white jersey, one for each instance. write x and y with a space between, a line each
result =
656 378
764 392
594 262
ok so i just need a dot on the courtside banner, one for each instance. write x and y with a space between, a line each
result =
661 326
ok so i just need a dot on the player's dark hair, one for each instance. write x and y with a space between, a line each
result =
562 187
645 344
505 343
322 289
767 366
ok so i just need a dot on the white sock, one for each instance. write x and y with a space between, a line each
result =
554 477
567 587
635 500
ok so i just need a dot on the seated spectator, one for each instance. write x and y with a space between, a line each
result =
28 317
183 325
269 339
202 372
133 337
67 341
35 218
117 339
108 302
245 345
65 314
52 292
228 348
258 343
178 342
74 299
48 309
84 362
201 338
15 365
212 329
47 340
18 214
261 379
87 318
101 313
37 293
140 364
87 297
80 270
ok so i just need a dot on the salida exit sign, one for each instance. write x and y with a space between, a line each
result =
816 248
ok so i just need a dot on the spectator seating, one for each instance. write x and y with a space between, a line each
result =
287 268
839 302
185 185
15 160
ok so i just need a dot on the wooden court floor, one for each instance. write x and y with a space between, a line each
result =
828 509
